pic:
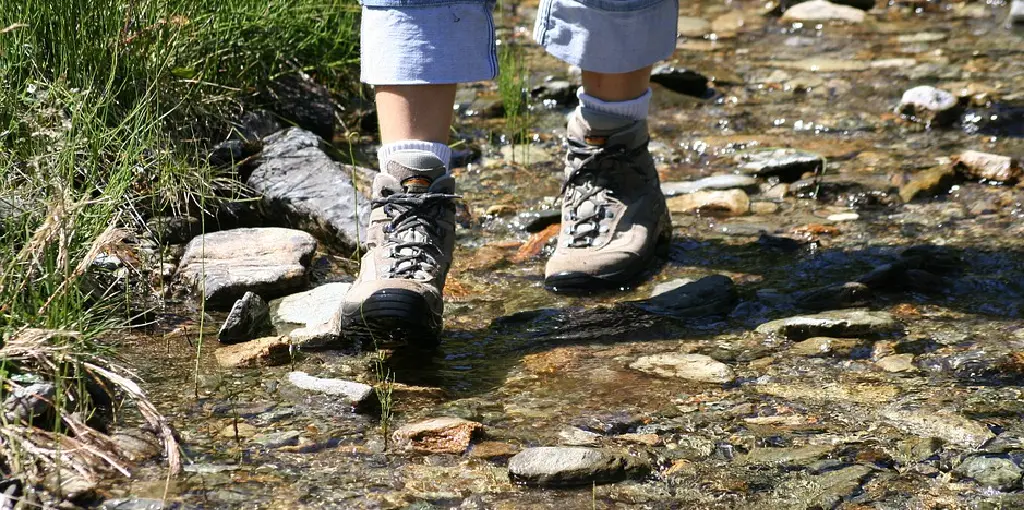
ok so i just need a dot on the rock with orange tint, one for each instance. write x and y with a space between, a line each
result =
552 361
262 352
439 435
536 244
493 450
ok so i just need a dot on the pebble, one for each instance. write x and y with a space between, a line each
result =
262 352
313 318
438 435
929 105
733 202
764 208
357 394
823 10
249 318
573 436
999 473
823 346
843 217
549 466
713 183
223 266
302 186
898 363
853 323
693 367
988 167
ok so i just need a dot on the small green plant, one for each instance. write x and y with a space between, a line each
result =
384 389
514 89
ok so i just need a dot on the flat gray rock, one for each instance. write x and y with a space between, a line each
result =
788 164
273 440
853 323
710 295
693 367
713 183
559 466
357 394
823 10
304 188
248 319
223 266
313 318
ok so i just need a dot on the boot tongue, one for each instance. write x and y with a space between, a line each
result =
415 170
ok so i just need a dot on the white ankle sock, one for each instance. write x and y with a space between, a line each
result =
442 151
633 109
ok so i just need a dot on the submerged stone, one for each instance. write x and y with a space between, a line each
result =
356 394
274 440
249 318
843 295
999 473
897 363
854 323
711 295
824 490
313 318
223 266
784 457
946 425
302 187
713 183
927 183
822 346
559 466
694 367
439 435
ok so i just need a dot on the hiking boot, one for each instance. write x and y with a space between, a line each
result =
613 213
397 298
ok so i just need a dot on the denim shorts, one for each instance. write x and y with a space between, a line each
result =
413 42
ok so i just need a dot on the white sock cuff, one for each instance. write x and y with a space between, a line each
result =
442 151
635 109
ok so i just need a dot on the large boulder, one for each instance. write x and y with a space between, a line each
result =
304 188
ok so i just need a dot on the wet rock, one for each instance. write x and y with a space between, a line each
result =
764 208
492 450
713 183
898 363
262 352
714 203
1017 12
917 449
729 25
689 26
223 266
822 346
238 429
789 165
249 318
134 503
929 105
927 183
501 210
988 167
946 425
823 10
358 395
174 229
560 92
644 439
825 490
710 295
304 188
540 220
839 324
137 445
670 285
995 472
568 466
439 435
30 404
609 423
275 440
784 457
682 81
693 367
844 295
574 436
313 318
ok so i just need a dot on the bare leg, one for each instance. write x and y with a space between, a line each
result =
415 112
617 87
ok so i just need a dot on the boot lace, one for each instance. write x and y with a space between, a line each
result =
413 237
588 193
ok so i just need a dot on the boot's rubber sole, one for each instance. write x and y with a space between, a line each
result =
569 282
392 318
